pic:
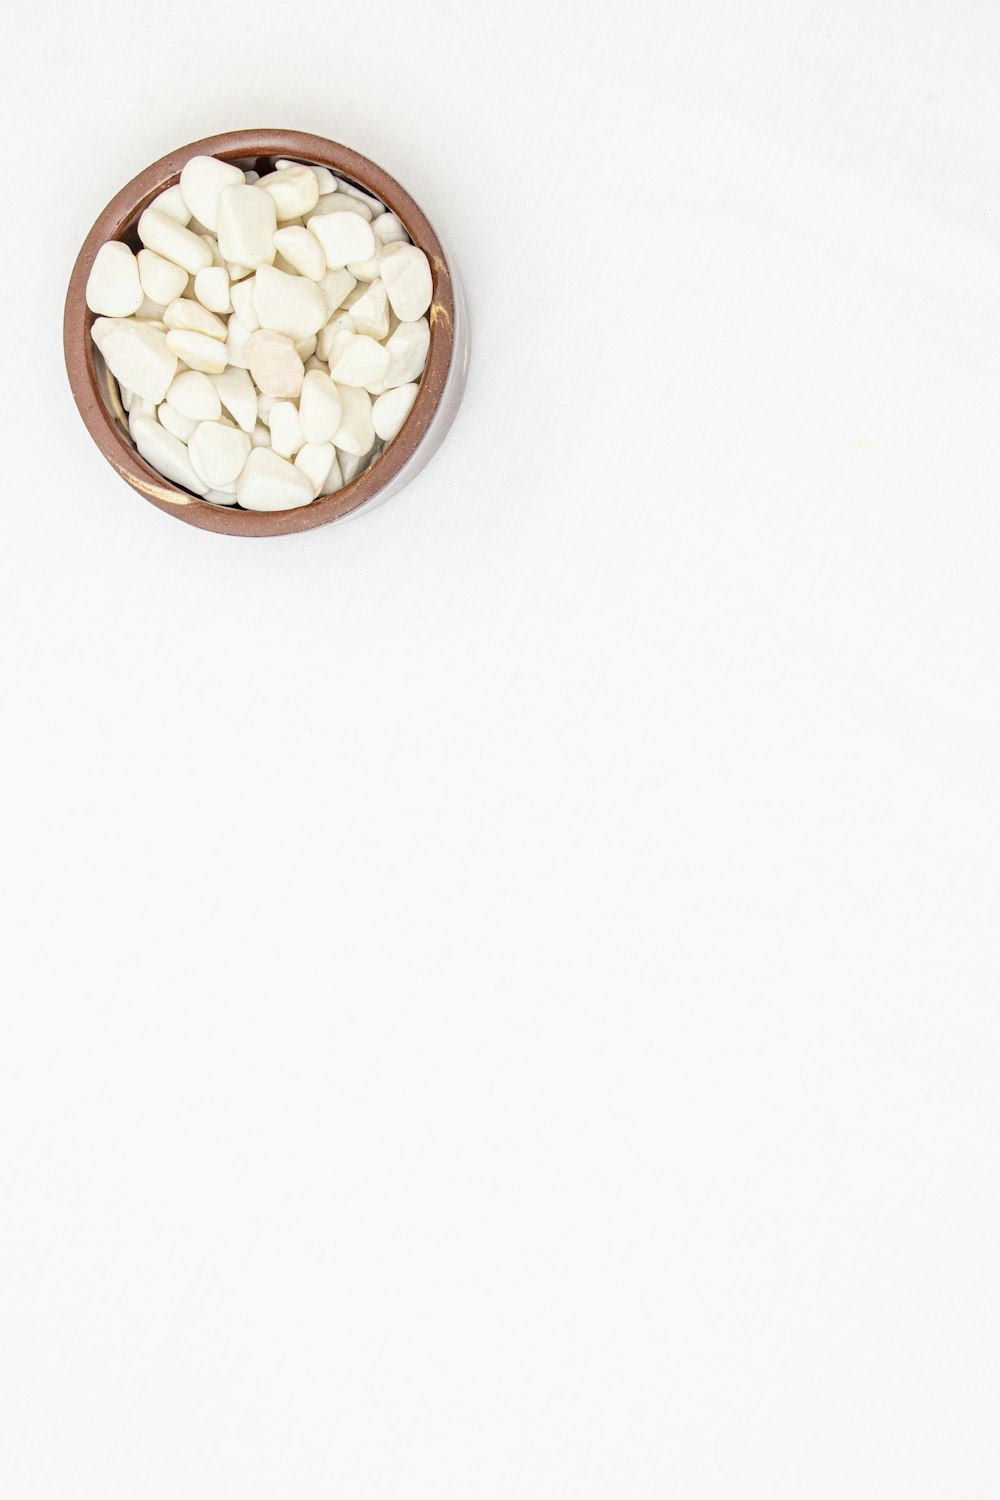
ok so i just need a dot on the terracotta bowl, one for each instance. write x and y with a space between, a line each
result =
441 385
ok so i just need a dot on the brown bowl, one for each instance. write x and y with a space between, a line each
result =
441 384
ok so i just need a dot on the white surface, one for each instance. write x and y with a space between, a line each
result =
502 996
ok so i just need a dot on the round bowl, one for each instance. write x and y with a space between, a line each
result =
441 385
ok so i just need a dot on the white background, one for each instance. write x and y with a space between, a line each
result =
501 995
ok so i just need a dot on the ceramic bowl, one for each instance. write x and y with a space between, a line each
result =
441 385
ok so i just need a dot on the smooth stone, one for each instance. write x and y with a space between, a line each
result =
140 408
274 363
194 395
321 410
315 459
251 176
335 286
202 181
198 350
406 272
219 453
213 246
340 203
341 322
163 234
260 437
151 312
222 497
286 429
162 280
167 455
171 202
236 391
371 311
360 363
247 221
325 179
236 344
334 479
388 230
355 435
306 348
390 411
269 482
169 417
407 347
373 205
236 271
315 363
265 405
295 190
302 251
188 314
211 287
126 397
113 286
292 305
351 464
137 354
344 237
242 295
365 270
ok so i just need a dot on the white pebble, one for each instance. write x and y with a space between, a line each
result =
407 347
137 354
325 179
162 281
213 246
242 295
334 479
406 272
344 237
286 429
194 395
166 454
113 286
218 453
292 305
371 311
362 362
169 417
355 435
335 286
140 408
320 407
303 251
388 230
211 287
351 464
315 460
236 392
274 363
390 411
163 234
373 205
198 350
295 191
202 181
339 203
247 222
236 344
185 313
265 406
151 312
269 482
260 437
171 202
236 271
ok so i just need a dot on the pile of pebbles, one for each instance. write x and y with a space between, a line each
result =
269 337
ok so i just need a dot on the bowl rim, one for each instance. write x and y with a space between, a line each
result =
119 217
